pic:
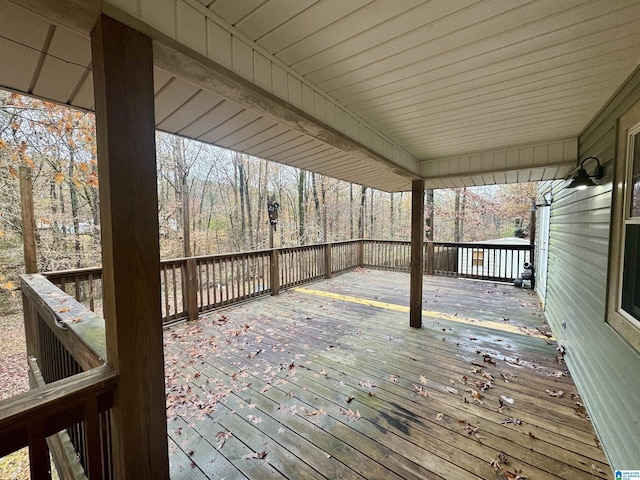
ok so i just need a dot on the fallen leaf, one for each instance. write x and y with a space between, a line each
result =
350 399
222 437
351 414
393 379
555 393
315 413
452 390
421 390
513 420
253 419
439 416
477 396
258 455
366 384
423 380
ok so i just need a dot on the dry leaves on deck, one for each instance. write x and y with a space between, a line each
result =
315 413
471 430
259 455
222 437
253 419
351 414
513 420
555 393
421 390
477 396
498 464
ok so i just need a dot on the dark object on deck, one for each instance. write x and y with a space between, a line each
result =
526 278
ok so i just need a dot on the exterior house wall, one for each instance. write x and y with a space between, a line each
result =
606 369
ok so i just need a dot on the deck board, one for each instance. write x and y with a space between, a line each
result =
329 388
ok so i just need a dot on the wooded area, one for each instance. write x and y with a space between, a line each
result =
219 194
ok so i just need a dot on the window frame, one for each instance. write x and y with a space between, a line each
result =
623 323
477 260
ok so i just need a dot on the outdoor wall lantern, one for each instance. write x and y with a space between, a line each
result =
546 202
582 179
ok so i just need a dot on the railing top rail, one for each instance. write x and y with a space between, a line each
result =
80 330
76 271
254 253
53 407
488 246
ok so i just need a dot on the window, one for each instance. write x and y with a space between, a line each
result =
623 310
630 301
477 258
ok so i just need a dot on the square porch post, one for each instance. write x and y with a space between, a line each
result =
417 253
124 105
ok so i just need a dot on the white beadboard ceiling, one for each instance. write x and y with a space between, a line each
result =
446 89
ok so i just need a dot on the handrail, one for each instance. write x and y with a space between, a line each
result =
488 246
202 283
78 329
29 418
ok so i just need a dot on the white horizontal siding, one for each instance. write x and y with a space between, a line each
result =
605 368
534 162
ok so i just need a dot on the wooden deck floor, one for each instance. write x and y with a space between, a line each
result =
329 381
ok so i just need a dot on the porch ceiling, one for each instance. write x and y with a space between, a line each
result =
445 89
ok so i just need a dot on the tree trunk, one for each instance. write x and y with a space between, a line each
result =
324 209
351 210
429 220
371 219
392 232
363 198
462 209
247 199
316 201
243 222
456 219
186 236
301 225
73 196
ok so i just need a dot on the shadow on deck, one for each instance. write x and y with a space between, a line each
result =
329 381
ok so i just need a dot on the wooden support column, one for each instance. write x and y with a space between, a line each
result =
430 257
191 288
123 89
274 269
417 253
327 260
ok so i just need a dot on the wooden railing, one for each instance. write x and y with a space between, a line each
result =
484 261
67 410
200 284
231 278
26 420
72 385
